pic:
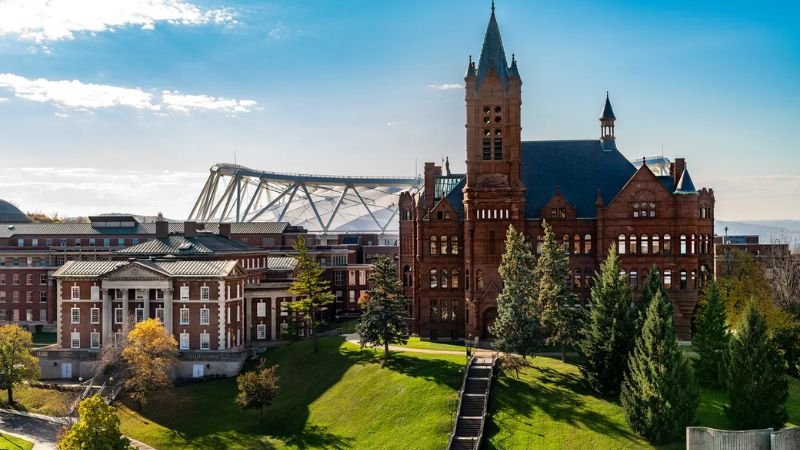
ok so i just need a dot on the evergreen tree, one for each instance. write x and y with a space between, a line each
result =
757 383
607 337
553 297
652 285
384 309
711 340
516 327
659 392
314 291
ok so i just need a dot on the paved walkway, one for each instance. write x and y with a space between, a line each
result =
354 339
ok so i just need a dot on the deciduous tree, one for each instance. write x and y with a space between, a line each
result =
659 393
384 309
607 337
17 363
257 388
757 384
711 340
97 428
150 355
314 291
517 327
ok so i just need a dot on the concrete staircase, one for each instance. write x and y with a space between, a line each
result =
473 404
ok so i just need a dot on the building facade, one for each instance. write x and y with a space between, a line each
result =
452 231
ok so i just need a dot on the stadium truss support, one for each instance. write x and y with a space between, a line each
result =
319 203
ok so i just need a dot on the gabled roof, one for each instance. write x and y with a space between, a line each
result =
685 184
179 245
667 182
578 168
94 269
492 54
141 229
281 263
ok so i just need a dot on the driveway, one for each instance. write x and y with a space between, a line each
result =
41 432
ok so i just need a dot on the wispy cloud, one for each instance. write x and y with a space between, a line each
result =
446 86
74 94
44 21
755 196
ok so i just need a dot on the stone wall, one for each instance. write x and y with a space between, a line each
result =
702 438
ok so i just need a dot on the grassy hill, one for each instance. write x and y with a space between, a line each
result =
339 398
550 407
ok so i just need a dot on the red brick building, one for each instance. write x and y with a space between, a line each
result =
452 232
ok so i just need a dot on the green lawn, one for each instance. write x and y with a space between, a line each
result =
549 407
14 443
339 398
41 401
415 342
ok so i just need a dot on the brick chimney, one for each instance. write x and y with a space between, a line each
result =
430 184
162 228
679 166
225 230
189 229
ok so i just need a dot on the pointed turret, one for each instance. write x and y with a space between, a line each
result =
607 120
513 72
470 68
608 111
493 57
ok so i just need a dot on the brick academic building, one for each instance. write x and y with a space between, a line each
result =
452 231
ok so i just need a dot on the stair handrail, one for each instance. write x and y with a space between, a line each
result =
460 399
486 398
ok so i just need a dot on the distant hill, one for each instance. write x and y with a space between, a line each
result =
767 230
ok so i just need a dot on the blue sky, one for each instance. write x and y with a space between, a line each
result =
125 106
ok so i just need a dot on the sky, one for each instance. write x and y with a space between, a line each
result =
123 106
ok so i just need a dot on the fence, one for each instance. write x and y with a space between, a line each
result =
703 438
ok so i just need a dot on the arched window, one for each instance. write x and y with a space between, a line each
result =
621 244
632 247
444 280
565 242
683 244
634 279
443 240
587 244
539 244
576 279
479 279
667 279
645 244
576 244
454 245
683 280
694 279
466 279
434 246
693 244
667 245
407 276
434 279
454 278
655 245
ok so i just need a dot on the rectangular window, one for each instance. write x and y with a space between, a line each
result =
118 339
120 242
43 296
498 148
205 341
184 292
118 316
43 279
20 242
95 291
352 278
75 339
338 278
106 242
94 316
29 279
160 314
184 341
92 242
75 293
184 316
487 149
75 315
139 314
42 315
261 309
204 316
28 296
2 279
49 242
352 296
15 296
204 293
261 331
94 339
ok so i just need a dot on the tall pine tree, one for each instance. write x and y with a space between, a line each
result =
607 337
710 340
757 383
553 296
314 291
516 327
384 309
659 392
652 285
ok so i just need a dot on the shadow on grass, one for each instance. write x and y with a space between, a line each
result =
5 442
558 395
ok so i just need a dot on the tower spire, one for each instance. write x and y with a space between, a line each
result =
492 6
492 54
607 120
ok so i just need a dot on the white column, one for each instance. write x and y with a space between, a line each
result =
248 312
108 310
274 317
125 313
147 305
168 310
59 315
222 328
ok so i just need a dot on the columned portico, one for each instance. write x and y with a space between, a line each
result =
108 310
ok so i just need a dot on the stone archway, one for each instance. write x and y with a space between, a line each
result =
488 320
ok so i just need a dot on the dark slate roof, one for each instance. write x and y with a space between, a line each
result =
608 112
667 182
456 197
11 214
142 228
492 54
203 244
685 184
578 168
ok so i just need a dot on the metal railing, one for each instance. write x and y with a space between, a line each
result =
454 419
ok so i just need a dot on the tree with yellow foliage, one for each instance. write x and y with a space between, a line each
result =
150 356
